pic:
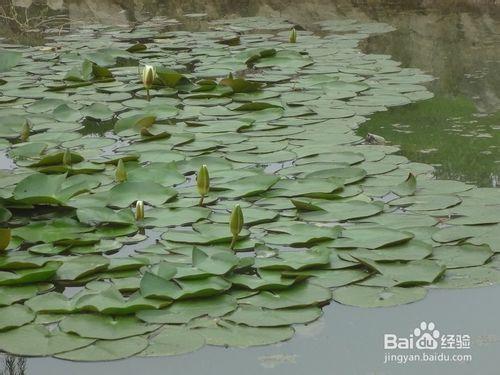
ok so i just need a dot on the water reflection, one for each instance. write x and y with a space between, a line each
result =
11 365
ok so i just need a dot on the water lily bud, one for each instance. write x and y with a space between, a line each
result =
66 160
25 132
139 210
230 76
236 223
120 172
293 35
5 236
148 76
203 181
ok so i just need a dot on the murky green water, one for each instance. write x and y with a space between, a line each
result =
447 132
457 131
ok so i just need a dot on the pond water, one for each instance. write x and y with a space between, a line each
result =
457 131
345 341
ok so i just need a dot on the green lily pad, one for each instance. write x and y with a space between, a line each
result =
462 255
371 238
295 260
300 234
11 294
9 59
333 278
469 277
100 215
299 295
223 333
36 340
112 302
477 235
215 264
31 275
411 250
261 317
39 188
15 316
185 310
154 286
415 272
169 217
336 211
128 192
263 280
174 341
427 202
77 267
165 174
105 327
203 234
107 350
52 302
368 296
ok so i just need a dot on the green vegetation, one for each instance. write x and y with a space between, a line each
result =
110 165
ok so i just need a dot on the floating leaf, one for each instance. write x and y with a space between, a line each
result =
371 238
15 316
9 59
128 192
107 350
111 302
410 273
174 341
77 267
105 327
11 294
36 340
215 264
368 296
295 260
261 317
39 188
462 255
226 334
299 295
186 310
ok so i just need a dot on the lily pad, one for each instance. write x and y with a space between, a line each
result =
371 238
174 341
185 310
410 273
462 255
368 296
107 350
105 327
223 333
300 295
36 340
15 316
261 317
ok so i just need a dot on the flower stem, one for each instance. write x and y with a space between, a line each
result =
201 201
233 242
147 95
